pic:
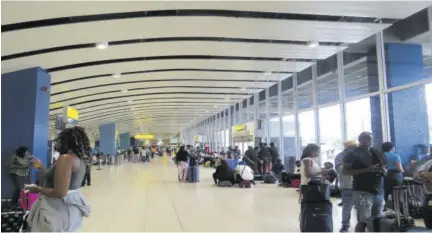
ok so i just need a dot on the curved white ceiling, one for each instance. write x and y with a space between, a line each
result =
178 70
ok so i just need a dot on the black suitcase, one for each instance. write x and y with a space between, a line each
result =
397 222
316 217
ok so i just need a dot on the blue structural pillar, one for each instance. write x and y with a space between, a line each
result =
132 142
375 105
124 141
24 117
107 140
408 117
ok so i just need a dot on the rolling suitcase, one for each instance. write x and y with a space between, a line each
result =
193 174
316 217
316 209
397 222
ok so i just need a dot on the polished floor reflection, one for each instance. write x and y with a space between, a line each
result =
147 197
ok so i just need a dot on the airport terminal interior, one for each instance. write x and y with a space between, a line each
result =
226 79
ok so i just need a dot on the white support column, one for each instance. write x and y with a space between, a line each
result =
341 82
230 125
267 116
382 81
315 104
256 106
296 121
280 115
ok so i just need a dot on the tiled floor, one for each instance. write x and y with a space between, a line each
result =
148 197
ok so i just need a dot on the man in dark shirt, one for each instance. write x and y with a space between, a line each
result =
366 165
264 156
274 151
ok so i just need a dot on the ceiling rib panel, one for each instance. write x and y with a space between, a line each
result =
67 57
193 76
114 68
102 31
17 11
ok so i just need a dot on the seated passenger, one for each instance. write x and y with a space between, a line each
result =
424 175
328 172
286 178
223 173
278 169
244 172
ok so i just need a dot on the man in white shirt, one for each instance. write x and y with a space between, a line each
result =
244 171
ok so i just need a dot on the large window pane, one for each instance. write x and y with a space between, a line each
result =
361 68
274 130
330 133
408 120
262 110
327 80
287 102
358 118
306 129
273 106
288 137
304 96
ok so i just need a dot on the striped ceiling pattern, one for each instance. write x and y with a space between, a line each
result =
167 65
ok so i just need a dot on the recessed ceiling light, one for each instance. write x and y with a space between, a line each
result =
129 101
125 90
243 89
116 75
313 44
215 106
102 45
267 73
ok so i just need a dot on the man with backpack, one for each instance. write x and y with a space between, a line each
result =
274 152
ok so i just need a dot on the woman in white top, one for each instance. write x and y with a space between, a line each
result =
309 166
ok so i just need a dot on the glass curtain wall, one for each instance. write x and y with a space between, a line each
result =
382 84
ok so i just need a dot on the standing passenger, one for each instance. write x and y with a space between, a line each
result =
345 184
309 168
367 166
394 166
182 163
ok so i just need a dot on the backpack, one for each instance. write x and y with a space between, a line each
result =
270 179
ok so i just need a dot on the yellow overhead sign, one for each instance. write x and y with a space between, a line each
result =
240 127
144 136
72 113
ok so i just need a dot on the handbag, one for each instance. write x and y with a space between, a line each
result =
315 191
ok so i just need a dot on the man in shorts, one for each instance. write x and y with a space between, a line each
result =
367 166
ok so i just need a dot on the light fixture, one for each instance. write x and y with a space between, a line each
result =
124 91
129 101
102 45
243 89
215 106
313 44
117 75
267 73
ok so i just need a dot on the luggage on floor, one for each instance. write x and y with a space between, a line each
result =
27 199
295 183
397 222
12 217
245 184
225 183
316 217
415 202
258 177
315 191
193 174
270 179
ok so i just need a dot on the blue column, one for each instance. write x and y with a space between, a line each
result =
24 116
132 142
373 86
407 108
107 140
124 141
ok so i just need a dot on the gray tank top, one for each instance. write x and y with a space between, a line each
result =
76 178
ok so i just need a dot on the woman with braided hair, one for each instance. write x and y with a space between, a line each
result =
61 206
